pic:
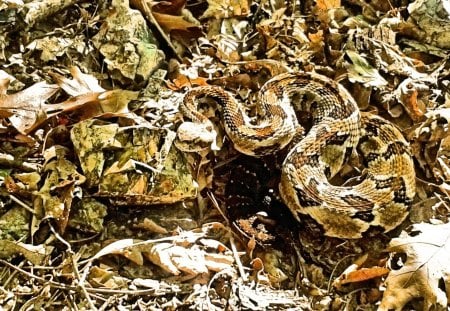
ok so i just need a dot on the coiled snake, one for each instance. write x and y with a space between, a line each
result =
387 186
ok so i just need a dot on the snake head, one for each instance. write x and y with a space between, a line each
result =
196 137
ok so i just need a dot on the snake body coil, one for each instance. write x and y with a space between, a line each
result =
385 193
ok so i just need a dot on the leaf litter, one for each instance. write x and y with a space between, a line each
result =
100 207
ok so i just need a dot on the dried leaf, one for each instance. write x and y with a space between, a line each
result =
323 6
226 8
131 164
173 22
328 4
87 215
15 223
34 253
316 41
54 198
106 277
174 259
27 109
172 7
426 272
129 51
432 17
361 71
151 226
80 84
174 255
116 247
182 81
363 274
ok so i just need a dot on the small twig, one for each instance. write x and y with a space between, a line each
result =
217 206
334 270
25 206
80 280
238 260
38 278
149 292
13 274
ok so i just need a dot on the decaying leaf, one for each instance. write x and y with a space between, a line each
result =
175 259
191 260
174 21
130 51
130 165
172 7
53 47
327 4
14 224
432 17
90 99
54 198
108 103
87 215
182 81
425 273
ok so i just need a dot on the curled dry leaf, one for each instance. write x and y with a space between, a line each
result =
151 226
172 7
359 275
90 96
79 85
172 22
26 109
426 271
182 81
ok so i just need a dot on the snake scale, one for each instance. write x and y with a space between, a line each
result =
384 192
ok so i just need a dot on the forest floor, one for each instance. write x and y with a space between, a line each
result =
103 205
